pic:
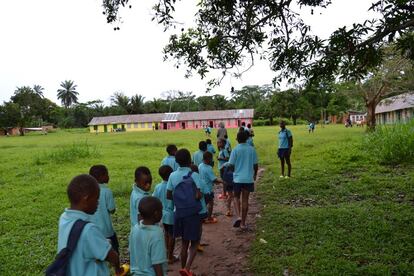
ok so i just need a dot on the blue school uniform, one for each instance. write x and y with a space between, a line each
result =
102 217
283 138
198 158
223 154
250 141
211 148
160 192
207 177
243 158
228 145
136 195
92 247
170 161
147 249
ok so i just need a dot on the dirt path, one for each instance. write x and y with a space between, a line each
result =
226 253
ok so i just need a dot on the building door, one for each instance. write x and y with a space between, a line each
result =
164 126
238 123
183 125
156 126
211 123
105 128
123 127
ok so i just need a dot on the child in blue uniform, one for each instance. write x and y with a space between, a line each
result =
187 227
92 249
244 160
106 205
160 192
140 189
198 155
208 178
285 149
170 159
147 250
210 147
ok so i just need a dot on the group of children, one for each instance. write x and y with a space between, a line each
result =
181 203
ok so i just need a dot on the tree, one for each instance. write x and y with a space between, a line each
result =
228 32
137 104
67 94
38 90
121 102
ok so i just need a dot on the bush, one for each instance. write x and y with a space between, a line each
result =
276 121
393 144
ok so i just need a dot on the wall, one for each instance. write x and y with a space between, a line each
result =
392 117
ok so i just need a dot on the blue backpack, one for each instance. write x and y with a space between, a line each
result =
228 175
185 201
60 265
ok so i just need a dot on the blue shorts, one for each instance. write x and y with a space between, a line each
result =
238 187
169 229
188 228
209 197
283 153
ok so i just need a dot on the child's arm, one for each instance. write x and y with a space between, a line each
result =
113 259
158 269
169 195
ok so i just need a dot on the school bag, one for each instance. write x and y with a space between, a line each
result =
60 264
184 198
227 175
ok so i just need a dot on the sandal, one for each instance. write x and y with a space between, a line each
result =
236 223
229 214
210 220
185 272
200 248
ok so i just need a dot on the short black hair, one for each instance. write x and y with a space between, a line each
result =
164 171
194 168
171 149
98 171
141 171
207 156
243 123
80 186
242 136
249 125
208 141
241 129
183 157
148 205
202 145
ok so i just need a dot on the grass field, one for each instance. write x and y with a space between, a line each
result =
341 213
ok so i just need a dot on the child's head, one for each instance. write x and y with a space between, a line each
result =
243 124
208 141
171 150
183 158
194 168
83 193
202 145
165 171
282 124
100 172
221 143
208 158
150 209
242 137
249 126
143 178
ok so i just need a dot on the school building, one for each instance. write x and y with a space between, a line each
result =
172 121
395 109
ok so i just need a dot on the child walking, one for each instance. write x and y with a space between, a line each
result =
183 188
170 159
244 160
106 205
147 249
222 158
140 189
198 155
92 249
210 147
160 192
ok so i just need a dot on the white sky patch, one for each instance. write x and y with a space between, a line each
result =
48 41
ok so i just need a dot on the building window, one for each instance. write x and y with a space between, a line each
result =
128 125
190 123
135 125
95 127
149 125
142 125
114 126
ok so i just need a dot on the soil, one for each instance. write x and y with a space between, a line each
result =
228 247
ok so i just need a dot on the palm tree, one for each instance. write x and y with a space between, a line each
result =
38 89
137 104
122 102
67 94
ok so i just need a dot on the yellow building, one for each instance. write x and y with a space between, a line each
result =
136 122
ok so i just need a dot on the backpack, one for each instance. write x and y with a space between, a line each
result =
60 264
184 198
228 175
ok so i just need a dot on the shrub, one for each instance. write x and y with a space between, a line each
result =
392 144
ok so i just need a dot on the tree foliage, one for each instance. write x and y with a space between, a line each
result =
67 93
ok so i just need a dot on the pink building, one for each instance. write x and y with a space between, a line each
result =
172 121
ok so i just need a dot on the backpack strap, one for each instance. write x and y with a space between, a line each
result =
74 234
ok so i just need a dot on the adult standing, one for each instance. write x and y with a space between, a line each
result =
221 132
285 149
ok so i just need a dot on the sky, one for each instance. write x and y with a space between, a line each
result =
45 42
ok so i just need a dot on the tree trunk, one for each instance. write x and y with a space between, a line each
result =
21 131
271 120
294 120
371 120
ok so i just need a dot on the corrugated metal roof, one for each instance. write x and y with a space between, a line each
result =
399 102
173 117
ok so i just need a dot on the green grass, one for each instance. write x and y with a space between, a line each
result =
342 213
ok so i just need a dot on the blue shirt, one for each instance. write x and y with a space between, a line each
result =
223 154
207 177
102 216
250 141
147 248
198 157
170 161
228 145
211 149
136 195
243 158
160 192
92 247
177 176
283 138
